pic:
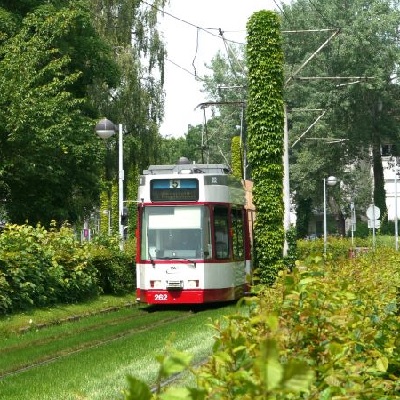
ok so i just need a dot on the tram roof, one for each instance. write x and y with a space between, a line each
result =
187 169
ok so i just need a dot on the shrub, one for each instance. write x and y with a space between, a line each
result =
325 330
116 269
24 265
40 267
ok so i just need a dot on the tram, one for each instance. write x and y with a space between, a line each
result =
193 239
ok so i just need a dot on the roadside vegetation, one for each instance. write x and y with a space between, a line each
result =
40 267
326 330
90 357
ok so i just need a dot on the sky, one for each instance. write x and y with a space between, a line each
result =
189 48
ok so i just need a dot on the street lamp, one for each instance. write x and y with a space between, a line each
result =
331 181
105 129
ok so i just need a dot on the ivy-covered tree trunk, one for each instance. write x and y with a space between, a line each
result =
265 118
237 158
304 212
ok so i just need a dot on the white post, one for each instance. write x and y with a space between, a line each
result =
286 187
353 221
324 218
331 181
120 185
395 207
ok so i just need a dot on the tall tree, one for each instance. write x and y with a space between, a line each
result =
227 92
50 165
130 28
360 107
265 128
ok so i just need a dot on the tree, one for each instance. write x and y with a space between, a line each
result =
265 139
361 110
130 29
82 60
50 165
227 89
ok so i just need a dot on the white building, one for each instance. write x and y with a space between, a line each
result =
392 182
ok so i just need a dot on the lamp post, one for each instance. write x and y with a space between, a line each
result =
331 181
105 129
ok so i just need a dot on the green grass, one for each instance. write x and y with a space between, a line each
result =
52 315
100 372
37 346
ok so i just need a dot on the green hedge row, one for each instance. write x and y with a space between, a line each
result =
40 267
342 248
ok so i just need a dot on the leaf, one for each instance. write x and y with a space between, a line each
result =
183 394
271 370
138 390
297 376
175 363
382 364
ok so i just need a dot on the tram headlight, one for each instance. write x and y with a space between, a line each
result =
193 284
156 284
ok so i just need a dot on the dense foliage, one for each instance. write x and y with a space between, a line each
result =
342 61
325 330
265 139
49 164
63 65
40 267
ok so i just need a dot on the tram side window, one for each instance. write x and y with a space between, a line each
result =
238 234
206 244
221 230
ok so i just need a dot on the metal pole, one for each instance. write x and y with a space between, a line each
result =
243 144
353 221
286 184
120 185
395 207
324 218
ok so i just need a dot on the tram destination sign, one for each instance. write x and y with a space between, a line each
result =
174 190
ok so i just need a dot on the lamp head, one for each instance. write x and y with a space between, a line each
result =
331 181
105 128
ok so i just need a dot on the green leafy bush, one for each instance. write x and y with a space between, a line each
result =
337 248
116 269
327 329
39 267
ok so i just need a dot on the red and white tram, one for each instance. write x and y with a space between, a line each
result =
193 235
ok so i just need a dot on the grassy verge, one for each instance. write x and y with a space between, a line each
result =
37 318
99 372
35 347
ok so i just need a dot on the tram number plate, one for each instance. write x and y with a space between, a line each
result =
161 297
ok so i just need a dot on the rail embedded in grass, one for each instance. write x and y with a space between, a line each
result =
100 372
44 346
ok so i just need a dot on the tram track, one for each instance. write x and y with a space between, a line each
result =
77 359
142 322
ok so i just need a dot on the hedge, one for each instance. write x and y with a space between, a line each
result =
40 267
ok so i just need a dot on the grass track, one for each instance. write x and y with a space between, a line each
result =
100 372
35 347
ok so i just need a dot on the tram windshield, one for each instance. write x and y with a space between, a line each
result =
175 232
